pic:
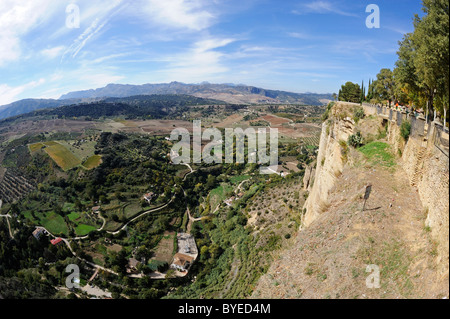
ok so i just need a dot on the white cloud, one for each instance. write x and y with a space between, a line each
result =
9 94
299 35
17 17
188 14
54 52
200 62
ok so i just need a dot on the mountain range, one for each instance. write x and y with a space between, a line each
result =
229 93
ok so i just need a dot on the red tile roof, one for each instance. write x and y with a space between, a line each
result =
56 241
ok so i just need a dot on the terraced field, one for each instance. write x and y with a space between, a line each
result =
12 187
92 162
35 147
62 156
312 140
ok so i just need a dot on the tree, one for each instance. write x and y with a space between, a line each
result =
385 85
363 92
405 73
431 43
350 92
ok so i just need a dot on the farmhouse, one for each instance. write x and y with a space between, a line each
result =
95 209
56 242
230 200
37 233
181 262
148 197
132 265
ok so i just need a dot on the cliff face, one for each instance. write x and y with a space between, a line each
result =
328 259
329 166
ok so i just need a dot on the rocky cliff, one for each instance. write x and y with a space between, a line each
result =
403 230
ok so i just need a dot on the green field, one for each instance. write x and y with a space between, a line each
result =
62 156
132 209
239 178
73 216
54 223
83 229
50 143
218 194
92 162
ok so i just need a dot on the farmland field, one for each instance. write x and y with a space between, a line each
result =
54 223
35 147
83 229
239 178
218 194
92 162
73 216
62 156
164 250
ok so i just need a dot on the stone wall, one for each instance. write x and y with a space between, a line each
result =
427 168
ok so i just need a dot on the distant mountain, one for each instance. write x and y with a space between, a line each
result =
29 105
229 93
225 92
144 106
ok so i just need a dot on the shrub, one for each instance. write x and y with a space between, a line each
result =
358 114
355 140
327 112
405 130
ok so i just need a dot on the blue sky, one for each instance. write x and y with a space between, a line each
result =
298 46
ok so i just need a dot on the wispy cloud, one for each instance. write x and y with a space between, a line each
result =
54 52
103 17
192 15
81 41
9 94
299 35
322 7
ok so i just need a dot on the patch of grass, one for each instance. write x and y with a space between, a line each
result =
50 143
378 153
310 269
101 249
132 209
219 194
